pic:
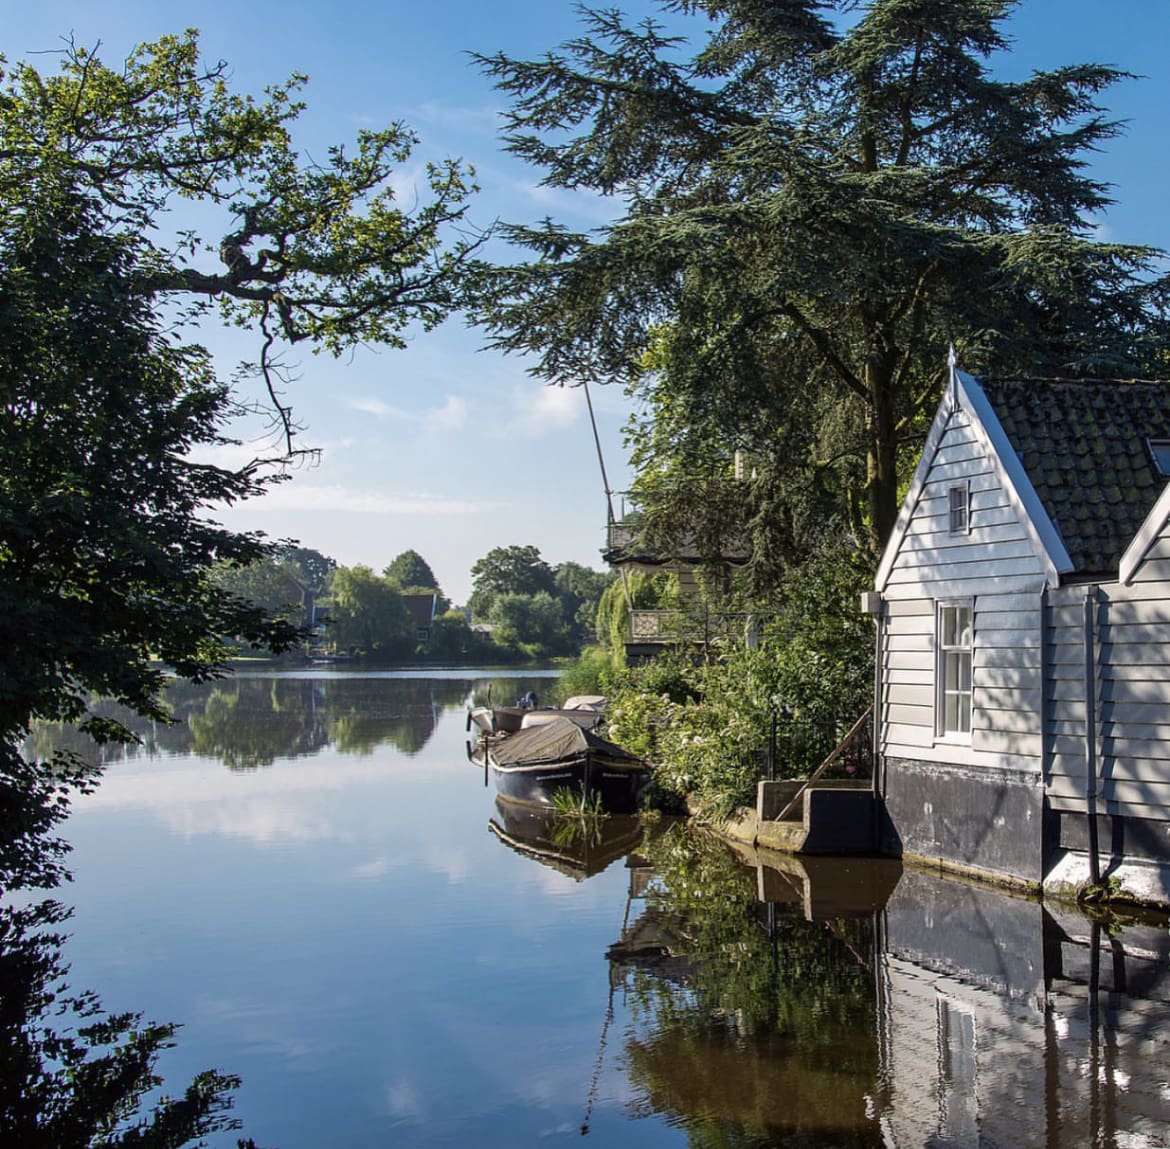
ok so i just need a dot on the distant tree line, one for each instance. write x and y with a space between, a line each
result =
520 606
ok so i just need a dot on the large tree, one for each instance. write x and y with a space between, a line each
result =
509 570
313 251
412 573
809 209
104 558
105 543
106 547
366 614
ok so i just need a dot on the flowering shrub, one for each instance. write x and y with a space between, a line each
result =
704 717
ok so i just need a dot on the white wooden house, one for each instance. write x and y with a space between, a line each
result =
1023 605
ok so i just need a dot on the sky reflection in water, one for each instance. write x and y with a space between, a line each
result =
307 876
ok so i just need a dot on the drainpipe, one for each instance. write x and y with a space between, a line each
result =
1091 734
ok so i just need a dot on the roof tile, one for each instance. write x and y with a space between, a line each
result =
1083 445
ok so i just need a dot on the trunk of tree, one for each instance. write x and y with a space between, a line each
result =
882 460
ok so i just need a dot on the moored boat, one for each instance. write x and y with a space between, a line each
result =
585 710
534 763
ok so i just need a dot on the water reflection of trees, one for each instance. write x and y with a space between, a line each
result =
251 722
71 1074
749 1030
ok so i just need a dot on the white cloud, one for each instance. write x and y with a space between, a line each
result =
303 497
452 416
475 118
377 407
544 409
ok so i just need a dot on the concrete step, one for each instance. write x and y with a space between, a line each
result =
787 836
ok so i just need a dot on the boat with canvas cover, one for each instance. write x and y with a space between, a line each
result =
534 763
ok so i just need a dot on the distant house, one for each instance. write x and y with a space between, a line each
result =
650 630
421 606
1023 607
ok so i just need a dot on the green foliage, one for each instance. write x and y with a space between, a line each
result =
531 622
594 670
705 722
268 585
105 553
533 609
454 641
316 250
367 615
411 573
577 806
310 568
632 590
580 589
814 204
105 542
512 570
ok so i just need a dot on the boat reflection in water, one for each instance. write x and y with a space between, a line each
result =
577 846
846 1002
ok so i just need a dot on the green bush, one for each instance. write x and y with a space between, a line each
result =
593 673
704 718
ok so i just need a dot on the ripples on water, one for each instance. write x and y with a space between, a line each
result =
309 875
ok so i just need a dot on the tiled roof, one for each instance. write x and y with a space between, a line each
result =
1083 445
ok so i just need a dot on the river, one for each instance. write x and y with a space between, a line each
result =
312 879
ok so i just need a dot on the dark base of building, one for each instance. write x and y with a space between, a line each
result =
996 825
987 821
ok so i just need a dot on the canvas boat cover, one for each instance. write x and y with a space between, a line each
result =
554 742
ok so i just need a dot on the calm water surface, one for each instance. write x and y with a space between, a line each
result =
310 876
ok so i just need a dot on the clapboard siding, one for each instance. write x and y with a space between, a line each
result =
978 569
996 566
1133 637
1064 699
1130 687
910 694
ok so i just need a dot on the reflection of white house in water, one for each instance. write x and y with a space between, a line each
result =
1003 1025
1000 1023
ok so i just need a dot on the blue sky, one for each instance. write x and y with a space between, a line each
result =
446 448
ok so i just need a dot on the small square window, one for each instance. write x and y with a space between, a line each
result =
960 510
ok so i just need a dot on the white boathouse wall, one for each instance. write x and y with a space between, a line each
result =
1128 682
997 568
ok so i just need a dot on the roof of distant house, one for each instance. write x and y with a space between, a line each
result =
422 607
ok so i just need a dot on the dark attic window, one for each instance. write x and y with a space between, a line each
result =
959 507
1160 453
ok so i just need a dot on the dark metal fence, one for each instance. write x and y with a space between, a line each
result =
797 748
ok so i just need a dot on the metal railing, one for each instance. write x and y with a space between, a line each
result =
621 534
683 626
853 754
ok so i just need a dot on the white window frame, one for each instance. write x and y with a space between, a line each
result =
963 489
951 653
